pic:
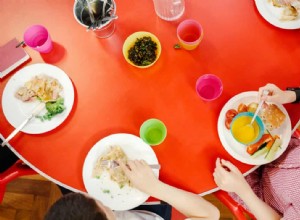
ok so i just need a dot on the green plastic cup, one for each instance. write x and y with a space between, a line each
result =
153 131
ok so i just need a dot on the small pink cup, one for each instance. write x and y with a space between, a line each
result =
209 87
38 38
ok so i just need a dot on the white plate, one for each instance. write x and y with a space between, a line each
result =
117 198
272 14
16 111
237 150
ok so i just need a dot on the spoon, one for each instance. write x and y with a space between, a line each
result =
265 93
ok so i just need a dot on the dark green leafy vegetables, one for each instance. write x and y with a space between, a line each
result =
53 108
143 51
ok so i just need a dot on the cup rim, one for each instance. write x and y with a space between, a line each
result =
29 28
205 76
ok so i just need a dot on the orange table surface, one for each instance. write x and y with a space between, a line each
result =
111 96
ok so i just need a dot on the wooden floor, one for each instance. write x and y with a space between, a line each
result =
28 198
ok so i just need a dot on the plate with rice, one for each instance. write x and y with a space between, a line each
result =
111 186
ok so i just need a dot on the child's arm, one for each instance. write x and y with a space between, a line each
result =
193 206
230 179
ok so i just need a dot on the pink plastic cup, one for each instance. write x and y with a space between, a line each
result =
38 38
190 34
209 87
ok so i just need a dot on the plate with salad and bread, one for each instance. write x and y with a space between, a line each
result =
263 143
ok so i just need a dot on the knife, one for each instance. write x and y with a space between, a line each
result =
34 112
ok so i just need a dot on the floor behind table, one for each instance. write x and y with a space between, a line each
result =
29 197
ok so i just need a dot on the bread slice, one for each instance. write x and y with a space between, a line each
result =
272 116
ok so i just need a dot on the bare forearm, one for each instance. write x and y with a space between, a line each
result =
189 204
290 96
260 209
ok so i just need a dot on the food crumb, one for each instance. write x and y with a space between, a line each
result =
106 191
177 46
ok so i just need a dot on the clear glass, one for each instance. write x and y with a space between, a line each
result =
169 10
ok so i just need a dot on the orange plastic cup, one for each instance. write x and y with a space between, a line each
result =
190 34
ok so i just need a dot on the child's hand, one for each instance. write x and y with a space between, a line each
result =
140 175
276 94
229 178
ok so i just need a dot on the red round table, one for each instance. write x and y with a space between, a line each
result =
111 96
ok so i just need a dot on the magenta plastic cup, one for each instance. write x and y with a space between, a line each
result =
209 87
189 34
38 38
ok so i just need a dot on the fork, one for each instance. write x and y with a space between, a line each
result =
113 164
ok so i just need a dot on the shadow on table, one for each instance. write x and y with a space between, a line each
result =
55 55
